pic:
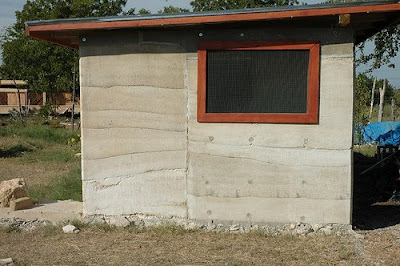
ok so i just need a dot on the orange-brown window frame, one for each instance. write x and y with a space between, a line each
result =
310 117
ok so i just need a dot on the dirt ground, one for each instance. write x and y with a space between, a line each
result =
105 246
96 246
34 174
33 169
374 216
37 167
381 246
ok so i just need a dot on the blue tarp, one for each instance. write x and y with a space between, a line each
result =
382 133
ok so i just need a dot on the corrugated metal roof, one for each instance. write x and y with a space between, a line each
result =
211 13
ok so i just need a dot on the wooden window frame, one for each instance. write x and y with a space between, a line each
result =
310 117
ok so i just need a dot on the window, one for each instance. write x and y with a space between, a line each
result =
258 82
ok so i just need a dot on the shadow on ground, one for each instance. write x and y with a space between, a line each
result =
14 151
371 192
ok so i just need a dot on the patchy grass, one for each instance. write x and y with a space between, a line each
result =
54 153
172 246
66 187
366 150
387 111
42 155
14 151
33 131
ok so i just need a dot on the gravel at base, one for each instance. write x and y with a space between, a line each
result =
21 224
298 228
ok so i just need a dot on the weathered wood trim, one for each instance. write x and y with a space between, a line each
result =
42 31
344 20
54 40
213 18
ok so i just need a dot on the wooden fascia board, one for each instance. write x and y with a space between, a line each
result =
39 31
53 40
211 19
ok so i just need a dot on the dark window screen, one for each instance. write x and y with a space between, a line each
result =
257 81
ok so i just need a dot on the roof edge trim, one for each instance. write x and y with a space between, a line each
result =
211 13
39 30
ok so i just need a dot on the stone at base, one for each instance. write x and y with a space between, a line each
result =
70 229
12 189
119 221
21 204
7 261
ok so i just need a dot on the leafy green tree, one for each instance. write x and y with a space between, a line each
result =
207 5
386 45
45 66
396 96
363 87
130 12
173 9
144 11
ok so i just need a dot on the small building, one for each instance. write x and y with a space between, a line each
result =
9 92
228 116
10 100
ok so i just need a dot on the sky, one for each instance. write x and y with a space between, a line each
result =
8 8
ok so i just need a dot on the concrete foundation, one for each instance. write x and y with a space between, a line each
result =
143 151
55 212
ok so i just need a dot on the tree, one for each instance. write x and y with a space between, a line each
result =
207 5
386 45
47 67
363 87
173 9
144 12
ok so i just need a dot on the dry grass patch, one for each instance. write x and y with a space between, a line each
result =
171 246
382 245
34 174
37 162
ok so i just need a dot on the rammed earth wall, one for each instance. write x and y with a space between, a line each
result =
144 152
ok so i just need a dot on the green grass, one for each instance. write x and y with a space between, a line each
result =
50 154
36 140
28 150
387 111
33 131
37 143
66 187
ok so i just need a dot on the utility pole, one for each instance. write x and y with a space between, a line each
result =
393 110
19 99
381 100
372 99
73 99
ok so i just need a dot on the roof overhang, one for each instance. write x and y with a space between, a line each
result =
365 18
